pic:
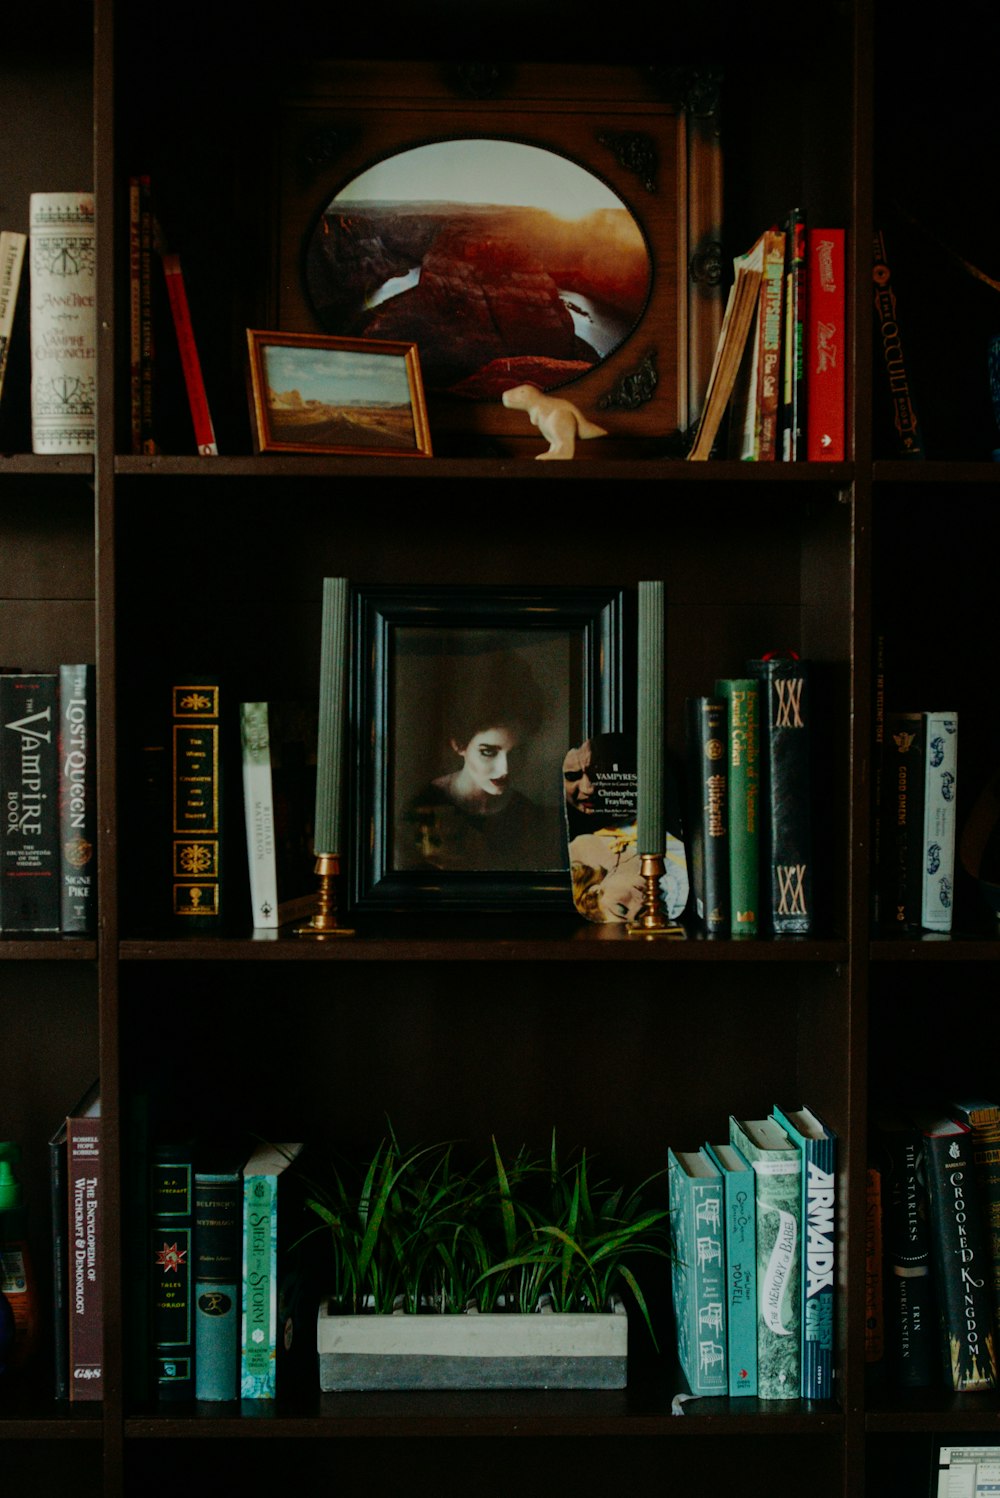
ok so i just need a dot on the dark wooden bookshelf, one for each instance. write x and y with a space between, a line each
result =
510 1024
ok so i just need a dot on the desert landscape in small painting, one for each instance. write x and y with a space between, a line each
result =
317 423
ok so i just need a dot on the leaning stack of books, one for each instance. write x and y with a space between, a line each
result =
48 879
781 359
755 1258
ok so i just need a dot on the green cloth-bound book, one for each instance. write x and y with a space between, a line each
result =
743 736
778 1176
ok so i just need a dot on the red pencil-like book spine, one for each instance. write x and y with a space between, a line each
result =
826 346
204 432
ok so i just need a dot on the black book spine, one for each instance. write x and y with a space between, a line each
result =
196 804
171 1270
708 819
911 1321
786 794
961 1260
29 830
900 873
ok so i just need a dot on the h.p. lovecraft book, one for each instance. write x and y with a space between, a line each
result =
171 1197
265 1231
940 789
793 376
826 346
77 801
777 1166
29 793
218 1241
890 355
786 790
63 306
960 1256
910 1315
196 803
698 1270
982 1116
901 829
707 735
743 741
85 1182
818 1145
740 1208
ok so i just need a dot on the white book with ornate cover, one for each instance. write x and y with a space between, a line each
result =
63 322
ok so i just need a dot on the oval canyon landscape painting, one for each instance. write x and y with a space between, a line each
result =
503 262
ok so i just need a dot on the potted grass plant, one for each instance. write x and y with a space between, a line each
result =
502 1274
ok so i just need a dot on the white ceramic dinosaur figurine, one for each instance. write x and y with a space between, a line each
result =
559 421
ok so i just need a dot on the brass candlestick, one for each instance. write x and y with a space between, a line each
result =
651 919
324 923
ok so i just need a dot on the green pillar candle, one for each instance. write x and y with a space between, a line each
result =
650 738
332 714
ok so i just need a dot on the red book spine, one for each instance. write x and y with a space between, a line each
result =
85 1307
826 346
204 432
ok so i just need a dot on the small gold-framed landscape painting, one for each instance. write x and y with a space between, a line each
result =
314 394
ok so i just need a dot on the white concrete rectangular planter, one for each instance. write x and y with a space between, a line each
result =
502 1350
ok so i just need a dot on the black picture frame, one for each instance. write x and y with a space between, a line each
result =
421 654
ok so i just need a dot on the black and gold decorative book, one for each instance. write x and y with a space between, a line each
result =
786 842
196 803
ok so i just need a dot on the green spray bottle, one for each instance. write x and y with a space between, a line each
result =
17 1278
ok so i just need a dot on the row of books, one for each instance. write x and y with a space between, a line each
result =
48 864
916 794
213 1287
781 360
749 780
754 1222
933 1247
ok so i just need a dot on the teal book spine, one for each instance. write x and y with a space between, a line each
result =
259 1301
698 1269
172 1207
741 1265
818 1145
778 1182
218 1235
743 737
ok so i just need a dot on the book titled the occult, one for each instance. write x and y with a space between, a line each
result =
900 872
29 830
891 355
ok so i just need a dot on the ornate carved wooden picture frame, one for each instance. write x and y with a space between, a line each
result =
557 226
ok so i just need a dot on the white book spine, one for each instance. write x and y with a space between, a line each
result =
12 247
258 805
941 768
63 306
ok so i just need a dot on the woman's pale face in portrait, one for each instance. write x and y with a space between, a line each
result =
486 760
